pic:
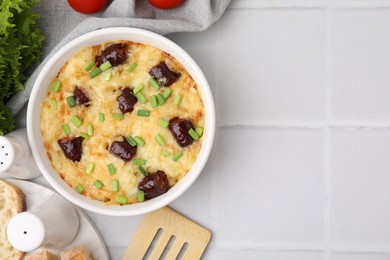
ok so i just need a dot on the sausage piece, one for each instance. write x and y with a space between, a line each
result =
163 75
126 101
116 54
72 147
179 128
154 184
123 150
80 97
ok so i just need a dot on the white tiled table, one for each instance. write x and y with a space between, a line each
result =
300 168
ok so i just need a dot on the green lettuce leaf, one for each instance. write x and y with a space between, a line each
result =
21 43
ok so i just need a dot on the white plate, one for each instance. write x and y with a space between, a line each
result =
87 235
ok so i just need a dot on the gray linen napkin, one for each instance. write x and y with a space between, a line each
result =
57 18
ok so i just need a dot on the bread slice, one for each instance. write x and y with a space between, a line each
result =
44 255
77 253
12 202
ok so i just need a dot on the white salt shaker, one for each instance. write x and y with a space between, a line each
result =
53 224
16 158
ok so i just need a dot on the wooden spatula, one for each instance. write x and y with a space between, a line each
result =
165 234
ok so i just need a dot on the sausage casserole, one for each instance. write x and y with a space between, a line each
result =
122 122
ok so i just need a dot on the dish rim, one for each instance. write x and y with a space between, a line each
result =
48 73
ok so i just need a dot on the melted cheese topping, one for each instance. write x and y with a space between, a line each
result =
103 96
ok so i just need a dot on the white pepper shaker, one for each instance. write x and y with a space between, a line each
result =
16 159
53 224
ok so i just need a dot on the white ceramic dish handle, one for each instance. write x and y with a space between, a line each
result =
16 159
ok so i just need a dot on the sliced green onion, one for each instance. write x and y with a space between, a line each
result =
98 184
141 112
117 116
160 140
161 99
167 93
131 140
115 185
95 72
140 195
66 129
139 162
193 134
131 67
142 170
153 100
105 66
121 199
107 76
79 188
199 131
71 101
111 169
177 156
178 99
90 168
90 66
139 140
56 86
84 135
154 84
141 98
166 153
90 130
162 122
101 117
76 121
138 89
53 104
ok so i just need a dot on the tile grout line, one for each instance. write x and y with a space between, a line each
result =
302 4
346 127
303 248
328 114
268 247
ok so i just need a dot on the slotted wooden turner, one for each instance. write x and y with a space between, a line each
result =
172 224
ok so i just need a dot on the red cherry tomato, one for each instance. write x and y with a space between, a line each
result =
88 6
165 4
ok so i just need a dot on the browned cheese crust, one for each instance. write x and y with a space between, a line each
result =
103 96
